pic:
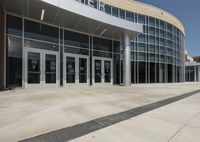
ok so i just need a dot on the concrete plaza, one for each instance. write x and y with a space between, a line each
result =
32 112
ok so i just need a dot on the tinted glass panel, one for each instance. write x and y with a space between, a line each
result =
14 25
107 71
97 71
34 68
41 45
70 70
82 70
102 44
14 62
76 39
76 50
50 68
41 31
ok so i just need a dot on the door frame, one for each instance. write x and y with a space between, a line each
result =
76 56
42 68
103 59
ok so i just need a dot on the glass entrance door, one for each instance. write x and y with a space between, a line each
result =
102 71
41 68
75 69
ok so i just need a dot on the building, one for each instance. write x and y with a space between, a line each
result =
192 72
47 43
187 57
196 59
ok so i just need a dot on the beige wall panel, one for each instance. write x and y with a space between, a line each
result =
145 9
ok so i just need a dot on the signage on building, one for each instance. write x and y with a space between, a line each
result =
98 4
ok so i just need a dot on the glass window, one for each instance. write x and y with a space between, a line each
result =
76 39
41 45
108 9
152 39
14 25
76 50
152 48
129 16
141 47
169 27
141 38
162 25
141 56
102 44
102 54
41 31
116 47
162 33
152 57
141 19
151 21
122 14
115 11
14 62
151 30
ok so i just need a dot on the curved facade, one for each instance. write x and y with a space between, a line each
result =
70 42
157 54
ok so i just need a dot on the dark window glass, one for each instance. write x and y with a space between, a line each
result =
141 56
102 54
152 73
34 68
162 25
82 70
132 72
115 11
142 72
108 9
141 19
76 39
70 70
41 45
102 44
151 30
97 71
14 25
116 47
116 68
170 73
14 62
130 16
141 38
41 31
151 21
122 14
76 50
50 68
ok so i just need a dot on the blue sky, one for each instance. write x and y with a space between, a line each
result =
188 11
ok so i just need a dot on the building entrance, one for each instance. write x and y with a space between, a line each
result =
41 68
76 69
102 71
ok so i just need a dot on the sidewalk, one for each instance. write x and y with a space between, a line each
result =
28 113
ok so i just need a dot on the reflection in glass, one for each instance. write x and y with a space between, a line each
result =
50 68
33 68
97 71
82 70
107 71
70 70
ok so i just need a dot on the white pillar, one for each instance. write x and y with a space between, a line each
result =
127 60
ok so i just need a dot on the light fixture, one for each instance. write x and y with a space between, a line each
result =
103 32
42 15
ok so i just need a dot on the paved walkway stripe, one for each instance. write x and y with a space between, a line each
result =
82 129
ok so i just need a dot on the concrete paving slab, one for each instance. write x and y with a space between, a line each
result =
28 113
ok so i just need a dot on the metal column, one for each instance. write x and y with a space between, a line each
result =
127 60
